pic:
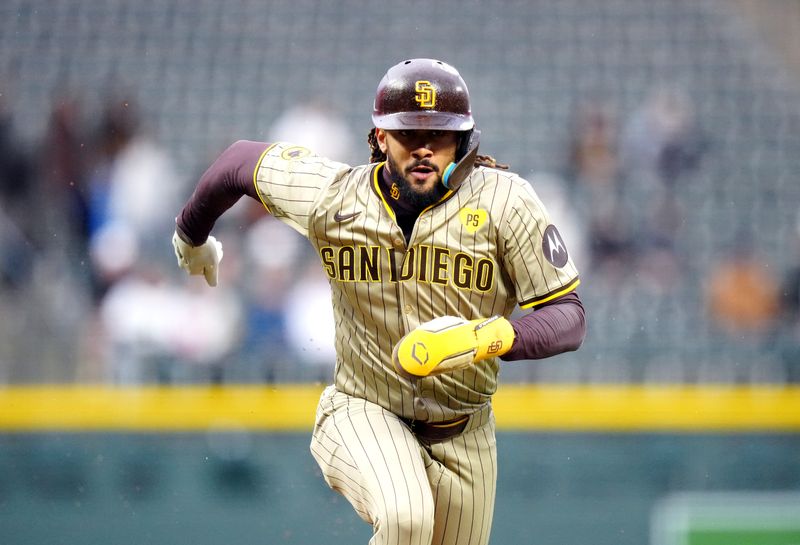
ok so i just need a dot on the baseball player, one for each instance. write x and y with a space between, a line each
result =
428 248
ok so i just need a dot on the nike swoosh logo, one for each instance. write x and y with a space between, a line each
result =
339 217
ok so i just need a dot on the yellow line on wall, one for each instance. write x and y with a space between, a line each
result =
639 408
291 408
157 408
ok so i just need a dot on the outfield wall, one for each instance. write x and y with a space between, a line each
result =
207 465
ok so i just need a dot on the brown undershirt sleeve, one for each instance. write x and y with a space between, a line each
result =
220 187
559 326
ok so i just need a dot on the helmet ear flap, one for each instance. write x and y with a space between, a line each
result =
467 152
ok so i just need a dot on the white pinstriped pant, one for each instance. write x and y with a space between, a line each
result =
412 493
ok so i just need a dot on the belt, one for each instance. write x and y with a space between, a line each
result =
437 431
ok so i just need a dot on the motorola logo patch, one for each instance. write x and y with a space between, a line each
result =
555 251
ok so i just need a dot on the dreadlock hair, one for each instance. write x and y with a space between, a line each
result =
376 155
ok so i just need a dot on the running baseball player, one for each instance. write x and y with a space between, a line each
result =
428 248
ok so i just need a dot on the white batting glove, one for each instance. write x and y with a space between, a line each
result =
203 259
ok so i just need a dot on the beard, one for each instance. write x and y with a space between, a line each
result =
417 198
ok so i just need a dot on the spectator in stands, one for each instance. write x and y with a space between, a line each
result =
742 299
592 157
662 139
661 143
156 331
592 169
133 188
17 228
265 302
64 161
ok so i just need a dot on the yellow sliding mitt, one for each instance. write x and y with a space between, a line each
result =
449 343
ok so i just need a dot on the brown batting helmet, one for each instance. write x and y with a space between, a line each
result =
428 94
422 94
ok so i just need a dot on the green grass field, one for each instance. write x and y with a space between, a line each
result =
728 518
744 537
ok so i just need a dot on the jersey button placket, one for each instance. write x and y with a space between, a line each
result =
405 293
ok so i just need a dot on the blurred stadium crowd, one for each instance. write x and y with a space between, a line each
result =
663 135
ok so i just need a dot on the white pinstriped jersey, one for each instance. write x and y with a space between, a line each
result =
480 251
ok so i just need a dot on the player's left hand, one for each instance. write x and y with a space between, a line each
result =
203 259
449 343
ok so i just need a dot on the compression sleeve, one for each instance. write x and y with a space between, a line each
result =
220 187
552 329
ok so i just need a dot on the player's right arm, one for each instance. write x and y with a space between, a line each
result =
226 181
